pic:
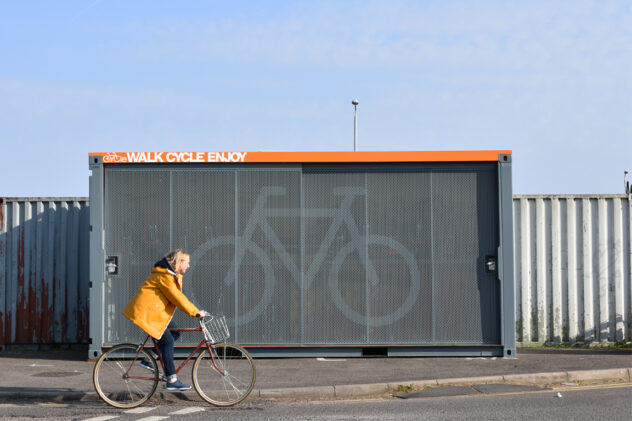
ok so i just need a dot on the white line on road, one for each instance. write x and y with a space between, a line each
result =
188 410
592 387
103 418
154 418
140 410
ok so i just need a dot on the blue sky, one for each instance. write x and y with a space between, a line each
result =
551 80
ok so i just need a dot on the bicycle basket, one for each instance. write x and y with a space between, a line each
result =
216 329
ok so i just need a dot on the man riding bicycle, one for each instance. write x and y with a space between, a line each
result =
154 304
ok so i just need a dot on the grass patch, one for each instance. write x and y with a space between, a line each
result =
403 388
577 345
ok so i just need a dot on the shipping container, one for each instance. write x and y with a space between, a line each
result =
313 253
573 268
44 271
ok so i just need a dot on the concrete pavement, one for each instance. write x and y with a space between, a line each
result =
67 375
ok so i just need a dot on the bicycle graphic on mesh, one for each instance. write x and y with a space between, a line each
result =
340 217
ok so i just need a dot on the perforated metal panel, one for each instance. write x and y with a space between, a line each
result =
400 226
137 216
465 295
313 254
335 283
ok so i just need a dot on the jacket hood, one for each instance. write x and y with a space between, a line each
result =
163 263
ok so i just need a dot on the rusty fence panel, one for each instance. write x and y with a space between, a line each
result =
44 270
573 268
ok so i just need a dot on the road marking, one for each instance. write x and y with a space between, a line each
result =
103 418
330 359
562 389
552 390
140 410
188 410
593 386
154 418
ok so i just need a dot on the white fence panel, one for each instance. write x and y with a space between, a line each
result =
573 268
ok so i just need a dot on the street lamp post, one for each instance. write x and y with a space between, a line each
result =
355 124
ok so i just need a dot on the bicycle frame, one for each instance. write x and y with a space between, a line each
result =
155 348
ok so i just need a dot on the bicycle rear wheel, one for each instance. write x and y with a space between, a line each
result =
120 380
227 377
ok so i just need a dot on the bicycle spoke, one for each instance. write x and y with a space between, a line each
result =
138 390
114 365
235 389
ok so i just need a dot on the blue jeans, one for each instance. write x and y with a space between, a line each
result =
165 344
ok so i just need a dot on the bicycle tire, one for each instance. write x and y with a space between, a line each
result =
113 376
231 387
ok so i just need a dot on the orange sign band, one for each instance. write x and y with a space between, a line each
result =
298 157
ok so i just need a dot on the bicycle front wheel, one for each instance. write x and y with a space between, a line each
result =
226 377
120 380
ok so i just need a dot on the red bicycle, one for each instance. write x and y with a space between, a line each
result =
223 373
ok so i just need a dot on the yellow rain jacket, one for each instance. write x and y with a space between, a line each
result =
153 306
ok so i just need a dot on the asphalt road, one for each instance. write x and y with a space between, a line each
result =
612 402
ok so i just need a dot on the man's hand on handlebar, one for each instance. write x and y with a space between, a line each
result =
201 314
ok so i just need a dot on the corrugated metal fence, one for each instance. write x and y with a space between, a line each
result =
573 268
44 283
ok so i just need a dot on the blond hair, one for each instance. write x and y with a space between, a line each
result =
175 257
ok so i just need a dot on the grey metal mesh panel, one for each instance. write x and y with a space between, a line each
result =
316 257
204 225
462 219
334 281
137 226
400 250
270 259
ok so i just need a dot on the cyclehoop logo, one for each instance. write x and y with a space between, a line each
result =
112 157
341 219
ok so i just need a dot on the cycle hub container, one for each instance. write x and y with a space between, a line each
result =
313 253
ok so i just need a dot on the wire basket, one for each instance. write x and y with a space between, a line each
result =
215 329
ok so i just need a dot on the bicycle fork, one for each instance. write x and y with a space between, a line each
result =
221 371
